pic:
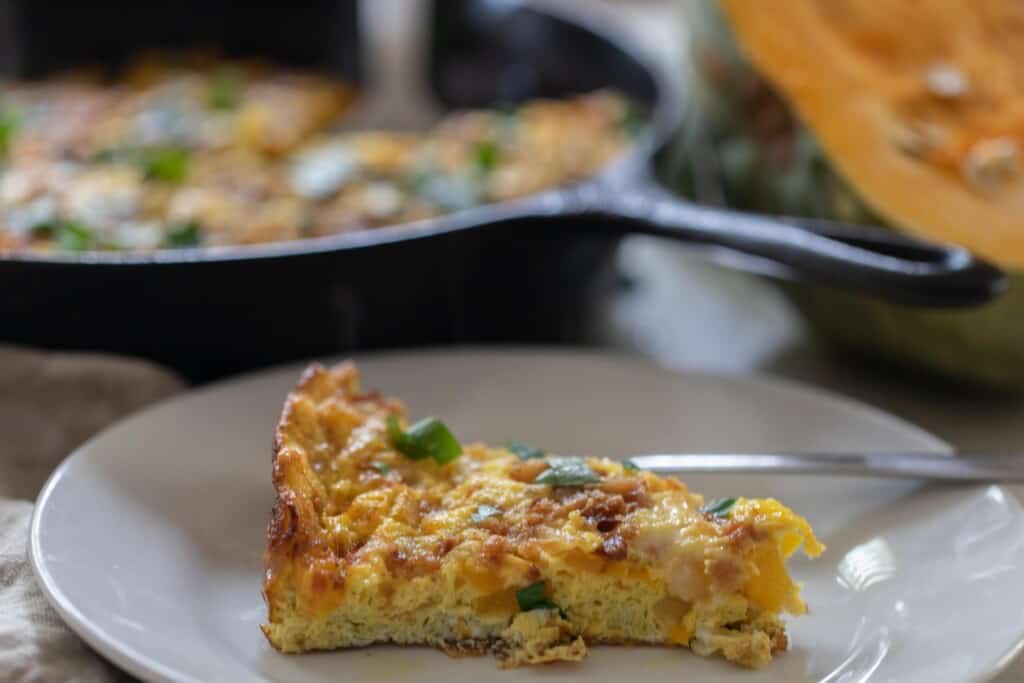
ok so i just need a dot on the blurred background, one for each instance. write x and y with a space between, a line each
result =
115 187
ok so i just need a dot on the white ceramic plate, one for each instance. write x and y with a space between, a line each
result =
148 539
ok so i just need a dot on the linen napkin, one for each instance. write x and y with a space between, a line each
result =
49 404
35 645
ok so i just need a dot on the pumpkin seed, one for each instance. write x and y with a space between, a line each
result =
917 139
991 164
946 81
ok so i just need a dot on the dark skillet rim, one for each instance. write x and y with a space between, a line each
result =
666 115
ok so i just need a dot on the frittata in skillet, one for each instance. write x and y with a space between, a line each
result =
188 151
385 532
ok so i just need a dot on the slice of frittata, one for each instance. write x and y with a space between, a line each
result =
389 533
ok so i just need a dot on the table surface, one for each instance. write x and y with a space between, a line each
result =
687 313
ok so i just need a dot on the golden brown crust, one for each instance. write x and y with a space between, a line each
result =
295 532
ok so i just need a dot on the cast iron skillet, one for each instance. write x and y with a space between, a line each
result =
512 271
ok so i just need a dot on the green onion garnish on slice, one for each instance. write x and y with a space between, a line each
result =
380 467
718 508
428 438
629 465
485 512
567 472
525 451
534 597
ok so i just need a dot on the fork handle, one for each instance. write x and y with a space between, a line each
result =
962 468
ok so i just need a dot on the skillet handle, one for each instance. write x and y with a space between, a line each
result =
880 262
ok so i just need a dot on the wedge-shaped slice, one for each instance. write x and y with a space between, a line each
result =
529 559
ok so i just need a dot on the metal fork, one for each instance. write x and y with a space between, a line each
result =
961 468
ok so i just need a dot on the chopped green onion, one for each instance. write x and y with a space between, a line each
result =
485 512
72 236
168 164
428 438
629 465
534 597
395 434
718 508
525 451
183 236
567 472
380 467
9 123
485 156
225 90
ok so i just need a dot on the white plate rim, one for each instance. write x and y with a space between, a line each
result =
144 667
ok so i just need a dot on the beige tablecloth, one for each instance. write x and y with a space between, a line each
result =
49 404
35 645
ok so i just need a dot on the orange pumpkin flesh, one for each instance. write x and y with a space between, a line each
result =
919 105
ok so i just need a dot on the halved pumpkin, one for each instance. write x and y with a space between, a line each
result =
918 105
